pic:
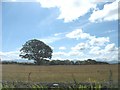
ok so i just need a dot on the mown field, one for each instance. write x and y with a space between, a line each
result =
61 73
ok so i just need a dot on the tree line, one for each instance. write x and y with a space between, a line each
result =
59 62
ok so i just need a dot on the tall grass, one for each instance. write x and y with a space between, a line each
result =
59 86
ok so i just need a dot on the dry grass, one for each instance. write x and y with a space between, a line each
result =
61 73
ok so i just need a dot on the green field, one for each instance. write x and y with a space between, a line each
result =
60 73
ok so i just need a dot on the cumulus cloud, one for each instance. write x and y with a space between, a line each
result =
110 47
109 56
9 55
95 50
108 13
93 40
69 9
108 53
100 41
99 48
80 46
77 34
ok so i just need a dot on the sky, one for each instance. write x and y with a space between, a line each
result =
74 29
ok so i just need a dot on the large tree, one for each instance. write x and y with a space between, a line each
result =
36 50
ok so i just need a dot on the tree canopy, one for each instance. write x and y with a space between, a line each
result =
36 50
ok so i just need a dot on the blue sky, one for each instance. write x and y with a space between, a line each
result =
74 29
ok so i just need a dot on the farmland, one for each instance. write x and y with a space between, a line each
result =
60 73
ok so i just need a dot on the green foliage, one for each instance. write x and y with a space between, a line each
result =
35 50
58 62
67 87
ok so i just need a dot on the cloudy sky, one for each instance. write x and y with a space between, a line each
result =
75 29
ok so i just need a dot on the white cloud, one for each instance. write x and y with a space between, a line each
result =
80 46
99 48
95 50
100 41
62 48
110 47
9 55
108 53
78 33
93 47
69 9
108 13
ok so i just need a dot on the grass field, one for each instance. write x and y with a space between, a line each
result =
61 73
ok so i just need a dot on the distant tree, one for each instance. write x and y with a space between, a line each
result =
36 50
90 61
67 62
78 62
54 62
9 62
